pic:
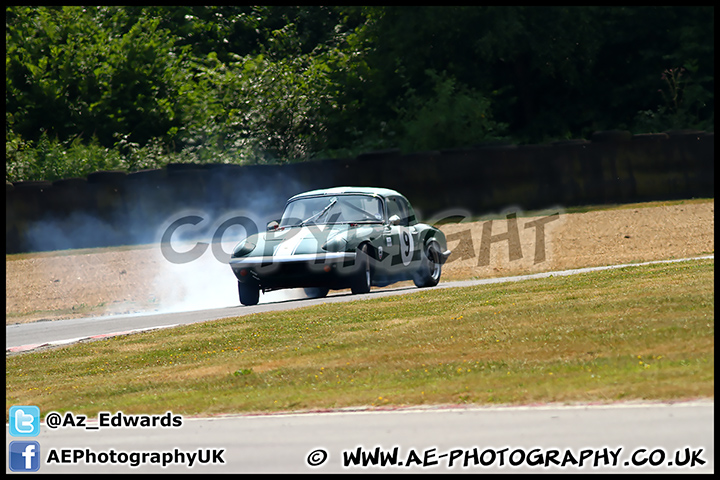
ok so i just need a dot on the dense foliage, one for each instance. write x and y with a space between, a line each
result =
111 87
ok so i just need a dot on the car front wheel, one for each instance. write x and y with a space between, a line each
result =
316 292
249 294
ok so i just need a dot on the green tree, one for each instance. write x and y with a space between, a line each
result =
74 71
452 116
154 84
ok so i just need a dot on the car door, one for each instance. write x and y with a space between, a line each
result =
401 237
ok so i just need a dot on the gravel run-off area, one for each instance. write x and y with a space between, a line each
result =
59 285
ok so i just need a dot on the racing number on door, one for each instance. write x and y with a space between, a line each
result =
406 246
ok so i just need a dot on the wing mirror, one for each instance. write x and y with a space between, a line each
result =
272 225
394 220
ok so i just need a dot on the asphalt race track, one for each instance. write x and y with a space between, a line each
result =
29 336
616 438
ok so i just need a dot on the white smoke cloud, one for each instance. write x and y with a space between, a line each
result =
205 281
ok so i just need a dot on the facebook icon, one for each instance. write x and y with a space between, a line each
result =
24 456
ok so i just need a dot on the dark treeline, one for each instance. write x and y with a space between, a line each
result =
130 88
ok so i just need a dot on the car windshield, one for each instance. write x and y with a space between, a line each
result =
335 209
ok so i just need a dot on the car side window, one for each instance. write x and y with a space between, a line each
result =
411 220
396 206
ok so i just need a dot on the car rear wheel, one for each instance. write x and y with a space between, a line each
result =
249 294
363 277
428 275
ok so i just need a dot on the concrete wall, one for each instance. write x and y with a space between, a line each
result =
115 208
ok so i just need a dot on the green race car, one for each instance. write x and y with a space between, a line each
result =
337 238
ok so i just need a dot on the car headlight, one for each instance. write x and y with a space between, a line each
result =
243 248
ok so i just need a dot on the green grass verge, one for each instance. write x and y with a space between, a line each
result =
633 333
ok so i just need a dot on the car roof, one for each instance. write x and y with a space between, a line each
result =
383 192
